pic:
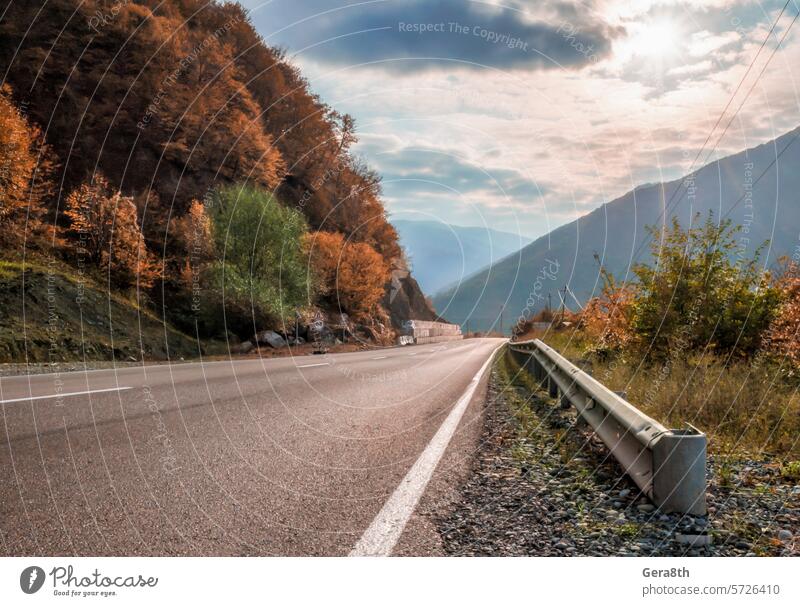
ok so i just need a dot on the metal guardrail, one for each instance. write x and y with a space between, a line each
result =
668 465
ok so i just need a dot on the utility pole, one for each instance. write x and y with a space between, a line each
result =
502 308
563 302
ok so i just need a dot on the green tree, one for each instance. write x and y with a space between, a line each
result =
702 291
261 265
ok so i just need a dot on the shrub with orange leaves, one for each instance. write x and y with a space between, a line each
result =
351 274
606 318
105 232
783 336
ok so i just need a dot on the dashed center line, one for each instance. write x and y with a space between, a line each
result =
312 365
379 357
63 395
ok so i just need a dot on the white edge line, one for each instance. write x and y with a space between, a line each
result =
312 365
385 530
64 395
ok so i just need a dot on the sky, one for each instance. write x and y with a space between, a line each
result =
522 116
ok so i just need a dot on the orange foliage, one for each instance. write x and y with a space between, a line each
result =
783 336
106 233
206 103
606 318
353 274
24 168
194 239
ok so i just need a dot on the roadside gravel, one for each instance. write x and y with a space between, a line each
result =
542 485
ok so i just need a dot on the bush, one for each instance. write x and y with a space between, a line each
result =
606 318
700 294
105 233
351 274
783 337
260 268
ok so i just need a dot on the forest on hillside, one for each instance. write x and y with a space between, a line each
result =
166 149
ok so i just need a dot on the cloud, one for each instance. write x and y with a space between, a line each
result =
438 169
406 36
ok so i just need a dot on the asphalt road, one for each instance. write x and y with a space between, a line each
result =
283 456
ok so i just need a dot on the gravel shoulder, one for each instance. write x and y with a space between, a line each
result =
542 485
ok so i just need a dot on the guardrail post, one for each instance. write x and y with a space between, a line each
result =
565 401
679 471
552 387
538 371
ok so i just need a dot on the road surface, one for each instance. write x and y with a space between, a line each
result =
284 456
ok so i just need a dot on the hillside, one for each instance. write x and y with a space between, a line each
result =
443 254
67 318
133 148
616 230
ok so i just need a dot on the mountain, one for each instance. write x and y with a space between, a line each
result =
442 254
767 208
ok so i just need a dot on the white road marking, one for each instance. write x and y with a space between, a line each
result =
384 532
379 357
63 395
413 354
312 365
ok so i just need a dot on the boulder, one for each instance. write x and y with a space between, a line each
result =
320 332
245 347
271 338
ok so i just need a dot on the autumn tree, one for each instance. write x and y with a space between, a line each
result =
194 245
25 165
352 275
105 232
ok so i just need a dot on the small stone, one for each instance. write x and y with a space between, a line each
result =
624 493
646 508
784 535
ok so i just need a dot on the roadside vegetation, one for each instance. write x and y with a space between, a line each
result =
704 336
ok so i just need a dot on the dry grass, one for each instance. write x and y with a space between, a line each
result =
743 406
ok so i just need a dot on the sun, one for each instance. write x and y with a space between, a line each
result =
656 39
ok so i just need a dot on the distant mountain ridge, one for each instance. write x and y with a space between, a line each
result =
770 209
442 254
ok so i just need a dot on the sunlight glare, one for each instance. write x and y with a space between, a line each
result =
657 39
